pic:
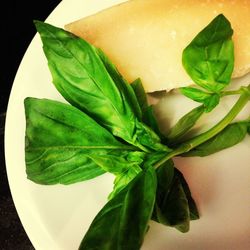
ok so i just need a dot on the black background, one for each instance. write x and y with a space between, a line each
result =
17 31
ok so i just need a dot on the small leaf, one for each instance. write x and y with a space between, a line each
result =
195 94
210 100
184 124
209 58
228 137
140 94
150 120
123 221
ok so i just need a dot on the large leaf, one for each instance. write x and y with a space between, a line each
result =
123 221
86 79
209 58
64 145
136 96
228 137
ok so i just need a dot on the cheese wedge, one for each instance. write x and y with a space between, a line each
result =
145 38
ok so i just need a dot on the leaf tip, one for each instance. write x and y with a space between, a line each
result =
38 24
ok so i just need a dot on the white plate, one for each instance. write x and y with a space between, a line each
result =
57 217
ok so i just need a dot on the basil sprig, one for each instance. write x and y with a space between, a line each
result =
109 127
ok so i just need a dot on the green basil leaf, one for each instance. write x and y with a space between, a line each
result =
146 136
123 179
123 221
228 137
136 96
195 94
121 84
148 116
165 175
174 204
209 58
210 100
86 80
64 145
117 161
140 94
81 77
174 209
152 159
184 124
150 120
193 210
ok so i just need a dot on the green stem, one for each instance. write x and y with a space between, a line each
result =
231 92
239 91
199 139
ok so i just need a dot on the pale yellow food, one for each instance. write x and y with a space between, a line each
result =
145 38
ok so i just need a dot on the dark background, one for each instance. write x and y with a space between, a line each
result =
17 31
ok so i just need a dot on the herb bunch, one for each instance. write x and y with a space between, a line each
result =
110 127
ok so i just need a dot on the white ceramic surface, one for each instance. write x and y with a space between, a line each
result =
57 217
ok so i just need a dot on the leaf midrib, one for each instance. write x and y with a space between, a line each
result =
80 147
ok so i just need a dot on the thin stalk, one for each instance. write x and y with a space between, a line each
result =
199 139
231 92
239 91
